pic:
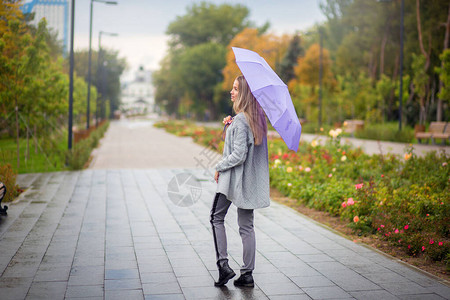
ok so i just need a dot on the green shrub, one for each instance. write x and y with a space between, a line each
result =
80 153
386 132
8 177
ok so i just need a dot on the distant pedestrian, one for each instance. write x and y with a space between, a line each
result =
243 179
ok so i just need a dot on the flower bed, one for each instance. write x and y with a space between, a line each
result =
404 200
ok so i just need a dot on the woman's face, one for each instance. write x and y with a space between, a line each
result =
234 91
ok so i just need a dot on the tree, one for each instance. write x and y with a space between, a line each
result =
106 79
206 22
444 76
307 76
289 61
188 79
271 47
200 70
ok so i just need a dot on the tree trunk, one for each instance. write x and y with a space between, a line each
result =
422 115
17 134
419 29
382 50
27 154
441 84
35 140
392 95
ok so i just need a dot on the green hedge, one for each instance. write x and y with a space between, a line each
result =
79 155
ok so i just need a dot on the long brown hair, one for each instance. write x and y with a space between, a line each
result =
247 104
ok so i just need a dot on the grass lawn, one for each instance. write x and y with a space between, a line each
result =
37 162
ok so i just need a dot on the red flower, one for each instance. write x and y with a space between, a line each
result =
285 156
382 175
406 227
379 229
431 242
423 248
441 243
409 246
276 157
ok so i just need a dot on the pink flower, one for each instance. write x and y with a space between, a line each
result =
356 219
382 226
382 175
358 186
441 243
423 248
406 227
307 169
409 246
379 229
330 175
350 201
399 241
431 242
344 204
396 231
227 120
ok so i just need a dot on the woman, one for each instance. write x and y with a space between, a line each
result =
243 179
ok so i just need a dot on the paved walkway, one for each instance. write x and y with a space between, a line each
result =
117 234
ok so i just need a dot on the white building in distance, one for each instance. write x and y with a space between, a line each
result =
138 95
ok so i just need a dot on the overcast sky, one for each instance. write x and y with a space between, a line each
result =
141 24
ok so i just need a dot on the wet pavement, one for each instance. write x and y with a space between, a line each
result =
119 232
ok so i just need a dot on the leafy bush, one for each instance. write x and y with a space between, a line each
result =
403 199
8 177
386 132
79 155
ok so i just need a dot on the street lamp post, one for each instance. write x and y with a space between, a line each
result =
72 25
99 64
90 57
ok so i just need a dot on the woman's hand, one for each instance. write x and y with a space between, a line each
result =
216 177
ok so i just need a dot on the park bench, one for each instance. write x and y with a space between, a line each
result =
2 195
351 126
437 130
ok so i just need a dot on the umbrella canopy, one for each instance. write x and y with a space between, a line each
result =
272 94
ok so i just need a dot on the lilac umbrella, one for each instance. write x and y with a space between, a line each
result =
272 94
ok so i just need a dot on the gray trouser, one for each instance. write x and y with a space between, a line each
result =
245 222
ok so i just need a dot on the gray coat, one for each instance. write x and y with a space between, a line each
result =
244 167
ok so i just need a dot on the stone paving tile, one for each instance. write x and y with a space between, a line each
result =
421 297
312 281
115 234
84 291
124 294
47 290
329 292
174 296
374 295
